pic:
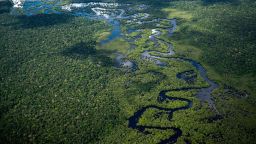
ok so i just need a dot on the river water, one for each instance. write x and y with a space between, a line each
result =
112 13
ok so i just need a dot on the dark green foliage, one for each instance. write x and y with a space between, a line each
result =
43 20
5 6
228 40
207 2
88 51
57 85
82 50
48 95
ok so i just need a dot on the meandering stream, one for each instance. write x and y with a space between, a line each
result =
204 93
112 16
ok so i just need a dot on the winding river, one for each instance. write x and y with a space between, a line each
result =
204 93
100 12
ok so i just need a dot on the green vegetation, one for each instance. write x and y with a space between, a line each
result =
225 34
59 85
50 70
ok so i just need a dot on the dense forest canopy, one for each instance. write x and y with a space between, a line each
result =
143 71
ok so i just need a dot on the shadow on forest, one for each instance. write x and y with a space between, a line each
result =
137 86
87 50
43 20
40 20
224 43
5 6
209 2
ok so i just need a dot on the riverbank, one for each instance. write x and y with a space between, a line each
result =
59 84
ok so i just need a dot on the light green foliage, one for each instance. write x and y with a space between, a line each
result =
58 85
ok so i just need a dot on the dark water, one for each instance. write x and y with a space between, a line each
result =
204 93
188 76
38 7
115 33
55 7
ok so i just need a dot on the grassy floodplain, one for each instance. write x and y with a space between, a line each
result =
59 85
